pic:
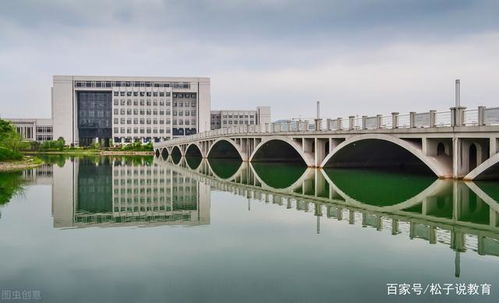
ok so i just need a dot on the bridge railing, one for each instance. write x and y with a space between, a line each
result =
488 116
459 116
471 117
404 121
443 119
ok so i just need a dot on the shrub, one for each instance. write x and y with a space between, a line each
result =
137 146
53 145
7 154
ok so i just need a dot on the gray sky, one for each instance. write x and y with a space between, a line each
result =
356 56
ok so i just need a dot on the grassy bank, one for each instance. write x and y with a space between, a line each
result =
58 147
91 152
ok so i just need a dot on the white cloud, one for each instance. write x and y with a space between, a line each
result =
400 77
350 57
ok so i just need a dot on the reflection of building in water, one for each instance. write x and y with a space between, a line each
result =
38 175
117 192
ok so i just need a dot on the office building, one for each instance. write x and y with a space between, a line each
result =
120 110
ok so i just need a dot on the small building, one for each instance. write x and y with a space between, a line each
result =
34 129
228 118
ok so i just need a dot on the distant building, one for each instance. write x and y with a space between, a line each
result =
227 118
34 129
294 123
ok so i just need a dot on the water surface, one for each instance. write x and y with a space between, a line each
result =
141 229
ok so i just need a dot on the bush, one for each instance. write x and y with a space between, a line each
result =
7 154
138 146
53 145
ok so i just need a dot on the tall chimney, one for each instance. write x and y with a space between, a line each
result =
458 93
318 109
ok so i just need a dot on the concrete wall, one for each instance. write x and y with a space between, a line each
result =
204 112
263 114
63 109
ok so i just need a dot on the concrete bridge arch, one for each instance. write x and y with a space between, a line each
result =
236 146
194 145
484 170
296 145
438 166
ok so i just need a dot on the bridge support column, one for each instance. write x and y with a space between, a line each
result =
456 158
492 146
320 151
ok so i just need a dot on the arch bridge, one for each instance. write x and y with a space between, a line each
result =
459 144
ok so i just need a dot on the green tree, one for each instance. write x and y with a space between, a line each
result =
9 138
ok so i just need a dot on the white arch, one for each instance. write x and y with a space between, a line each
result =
238 149
437 166
309 161
482 167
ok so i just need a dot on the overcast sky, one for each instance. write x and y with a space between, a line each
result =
355 56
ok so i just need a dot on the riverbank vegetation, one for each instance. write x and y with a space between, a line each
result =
13 149
11 184
10 142
11 145
59 147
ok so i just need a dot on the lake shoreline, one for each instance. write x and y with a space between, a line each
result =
94 153
26 163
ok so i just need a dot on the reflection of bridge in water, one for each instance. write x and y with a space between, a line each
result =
116 192
458 214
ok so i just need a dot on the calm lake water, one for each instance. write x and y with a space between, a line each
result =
142 229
